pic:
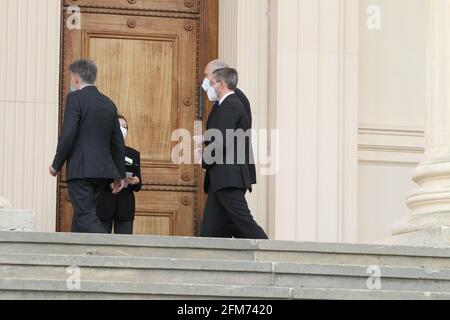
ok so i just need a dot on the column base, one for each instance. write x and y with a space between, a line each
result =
419 222
438 237
17 220
429 221
4 204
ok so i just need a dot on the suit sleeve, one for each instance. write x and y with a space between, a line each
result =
72 116
118 149
246 104
138 187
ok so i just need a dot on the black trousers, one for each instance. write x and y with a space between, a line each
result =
120 227
84 195
227 215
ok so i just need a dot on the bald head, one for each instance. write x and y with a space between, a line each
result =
213 66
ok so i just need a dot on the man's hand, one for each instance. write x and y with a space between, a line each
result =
53 172
133 181
199 141
198 156
118 186
198 149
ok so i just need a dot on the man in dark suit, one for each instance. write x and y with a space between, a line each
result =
213 66
92 144
227 163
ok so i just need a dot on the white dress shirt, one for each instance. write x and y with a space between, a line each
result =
225 96
84 85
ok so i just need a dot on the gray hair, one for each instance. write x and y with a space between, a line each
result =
218 64
86 69
229 76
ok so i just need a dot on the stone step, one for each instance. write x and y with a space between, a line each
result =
19 289
216 272
223 249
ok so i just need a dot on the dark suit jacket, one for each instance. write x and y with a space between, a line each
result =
246 103
231 115
123 205
91 141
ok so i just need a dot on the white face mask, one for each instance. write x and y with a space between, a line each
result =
212 94
205 84
124 132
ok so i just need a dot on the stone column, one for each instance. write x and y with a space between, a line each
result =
30 33
313 102
429 221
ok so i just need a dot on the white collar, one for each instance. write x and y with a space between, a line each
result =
86 85
225 96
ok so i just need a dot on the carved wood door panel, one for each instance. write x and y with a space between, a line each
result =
149 65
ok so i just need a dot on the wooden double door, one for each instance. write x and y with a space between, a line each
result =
150 56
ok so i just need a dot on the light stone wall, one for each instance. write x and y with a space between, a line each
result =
392 112
29 80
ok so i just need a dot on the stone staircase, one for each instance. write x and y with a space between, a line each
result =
43 266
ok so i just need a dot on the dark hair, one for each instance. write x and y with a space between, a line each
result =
229 76
86 69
